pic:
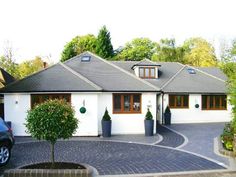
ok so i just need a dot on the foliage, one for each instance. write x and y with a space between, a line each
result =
167 110
104 46
78 45
227 136
106 116
52 120
199 52
148 115
29 67
138 49
228 60
9 65
167 51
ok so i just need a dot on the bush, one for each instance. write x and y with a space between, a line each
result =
52 120
148 115
167 110
227 136
106 116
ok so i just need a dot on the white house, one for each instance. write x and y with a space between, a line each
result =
126 89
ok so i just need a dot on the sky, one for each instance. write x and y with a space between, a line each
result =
42 27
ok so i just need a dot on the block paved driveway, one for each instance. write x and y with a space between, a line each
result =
113 157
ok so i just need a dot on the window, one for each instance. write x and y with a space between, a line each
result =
147 72
178 101
85 58
40 98
191 71
214 102
126 103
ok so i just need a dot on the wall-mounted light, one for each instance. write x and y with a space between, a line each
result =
83 109
17 99
149 105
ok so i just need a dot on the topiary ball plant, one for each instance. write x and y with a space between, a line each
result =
50 121
148 115
106 116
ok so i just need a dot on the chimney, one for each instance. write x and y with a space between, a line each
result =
45 64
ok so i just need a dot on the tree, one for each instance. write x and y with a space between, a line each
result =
29 67
50 121
199 52
228 59
138 49
167 51
78 45
104 46
7 61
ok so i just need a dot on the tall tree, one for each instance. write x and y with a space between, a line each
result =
138 49
199 52
78 45
228 60
29 67
104 46
7 61
168 51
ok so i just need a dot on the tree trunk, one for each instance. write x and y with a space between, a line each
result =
52 154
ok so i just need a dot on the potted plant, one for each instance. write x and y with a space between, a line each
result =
106 124
148 123
167 116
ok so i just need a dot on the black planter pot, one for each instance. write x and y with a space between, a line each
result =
106 128
148 125
167 117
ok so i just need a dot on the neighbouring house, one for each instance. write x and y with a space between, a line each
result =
5 79
126 89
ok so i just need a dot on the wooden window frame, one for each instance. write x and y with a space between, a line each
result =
175 102
149 72
208 108
131 103
50 97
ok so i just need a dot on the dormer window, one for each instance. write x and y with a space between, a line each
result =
146 69
147 72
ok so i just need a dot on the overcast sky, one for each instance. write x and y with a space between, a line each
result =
42 27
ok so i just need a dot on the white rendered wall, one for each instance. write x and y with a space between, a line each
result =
88 121
16 107
126 123
197 115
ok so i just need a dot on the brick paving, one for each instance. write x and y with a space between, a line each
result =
170 138
201 138
111 158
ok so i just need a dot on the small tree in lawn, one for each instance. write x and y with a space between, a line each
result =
52 120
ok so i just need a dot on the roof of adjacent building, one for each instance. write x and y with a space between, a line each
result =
5 78
99 75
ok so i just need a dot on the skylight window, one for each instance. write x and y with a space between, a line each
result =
85 58
191 71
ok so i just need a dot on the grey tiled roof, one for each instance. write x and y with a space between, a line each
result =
108 76
214 71
53 79
195 83
99 75
174 78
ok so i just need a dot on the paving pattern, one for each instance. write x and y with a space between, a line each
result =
201 138
170 138
112 157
